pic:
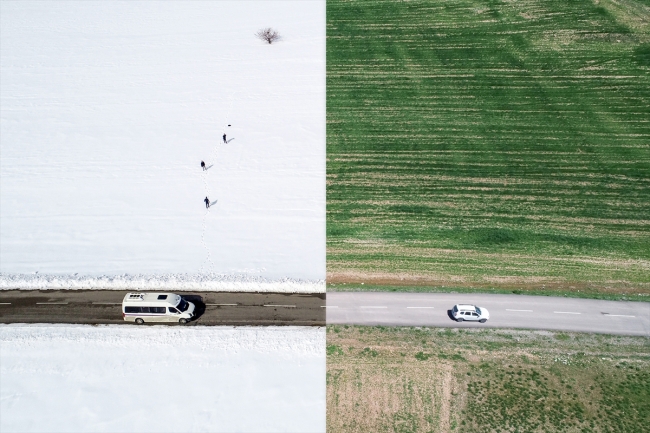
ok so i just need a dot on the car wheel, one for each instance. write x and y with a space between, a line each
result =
483 320
460 319
182 321
139 321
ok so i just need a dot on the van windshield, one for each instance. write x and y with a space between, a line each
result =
183 305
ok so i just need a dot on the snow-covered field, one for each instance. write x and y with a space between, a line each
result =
107 109
161 379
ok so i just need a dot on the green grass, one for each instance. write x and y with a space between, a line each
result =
489 144
586 292
485 380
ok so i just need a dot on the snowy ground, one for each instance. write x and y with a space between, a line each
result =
161 379
107 109
205 282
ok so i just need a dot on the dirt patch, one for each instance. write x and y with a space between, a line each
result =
445 410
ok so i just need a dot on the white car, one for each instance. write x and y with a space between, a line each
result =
462 312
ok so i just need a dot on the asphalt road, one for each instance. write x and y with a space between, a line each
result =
105 307
506 311
362 308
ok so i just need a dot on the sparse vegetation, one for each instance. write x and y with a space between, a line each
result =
485 380
482 144
268 35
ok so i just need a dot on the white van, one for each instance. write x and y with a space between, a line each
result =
156 307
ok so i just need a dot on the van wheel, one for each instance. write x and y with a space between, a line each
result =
139 321
460 319
182 321
483 320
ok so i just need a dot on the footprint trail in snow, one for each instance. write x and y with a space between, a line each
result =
208 259
204 177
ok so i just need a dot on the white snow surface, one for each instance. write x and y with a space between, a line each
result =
161 379
210 282
107 109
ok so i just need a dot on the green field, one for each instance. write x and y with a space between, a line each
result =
489 144
485 380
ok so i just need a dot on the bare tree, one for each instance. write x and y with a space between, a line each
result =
268 35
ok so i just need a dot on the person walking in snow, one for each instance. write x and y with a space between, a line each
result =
224 138
203 165
207 202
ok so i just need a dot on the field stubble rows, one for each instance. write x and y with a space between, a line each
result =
441 380
471 142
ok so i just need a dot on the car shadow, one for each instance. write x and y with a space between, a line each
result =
198 304
450 316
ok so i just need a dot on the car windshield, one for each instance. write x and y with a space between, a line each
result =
478 310
183 305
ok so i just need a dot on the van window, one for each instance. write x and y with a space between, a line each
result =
173 310
183 305
148 310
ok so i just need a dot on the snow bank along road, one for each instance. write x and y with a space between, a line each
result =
506 311
105 306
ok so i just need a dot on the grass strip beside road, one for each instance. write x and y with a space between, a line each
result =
389 379
569 292
474 143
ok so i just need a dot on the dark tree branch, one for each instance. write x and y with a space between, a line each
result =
268 35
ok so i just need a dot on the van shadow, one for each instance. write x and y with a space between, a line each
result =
198 304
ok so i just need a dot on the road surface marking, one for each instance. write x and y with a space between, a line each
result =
420 307
565 312
329 306
223 305
617 315
107 303
285 306
5 303
51 303
372 306
528 311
